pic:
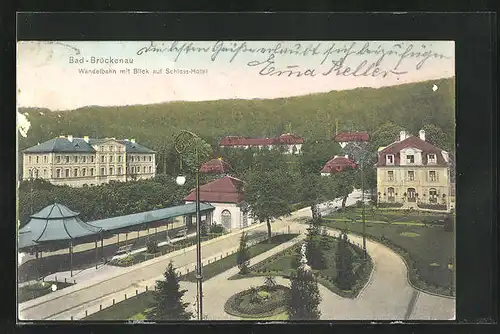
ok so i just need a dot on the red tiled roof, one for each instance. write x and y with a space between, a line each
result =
284 139
351 136
224 190
338 164
218 166
411 142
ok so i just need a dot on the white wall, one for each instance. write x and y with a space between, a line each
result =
236 214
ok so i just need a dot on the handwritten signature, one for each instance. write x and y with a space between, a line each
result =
340 59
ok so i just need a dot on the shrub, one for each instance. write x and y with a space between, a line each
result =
432 206
390 205
216 228
270 283
152 247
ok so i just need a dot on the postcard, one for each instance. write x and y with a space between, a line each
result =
236 180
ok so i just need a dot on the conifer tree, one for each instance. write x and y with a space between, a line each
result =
304 298
344 263
168 304
314 252
243 256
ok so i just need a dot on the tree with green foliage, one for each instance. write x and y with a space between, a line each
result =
268 194
313 191
270 283
385 135
315 154
243 255
168 304
304 299
314 251
436 136
344 263
342 183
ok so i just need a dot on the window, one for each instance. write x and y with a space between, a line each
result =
431 158
92 158
410 158
411 175
30 172
110 158
84 159
58 159
111 148
67 159
119 158
390 194
44 173
150 169
37 159
433 195
66 172
110 170
84 171
144 169
75 172
103 171
119 171
390 175
92 172
29 158
389 159
432 176
102 158
58 173
150 158
75 159
45 159
144 158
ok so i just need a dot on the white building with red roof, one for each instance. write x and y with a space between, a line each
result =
227 196
414 172
291 143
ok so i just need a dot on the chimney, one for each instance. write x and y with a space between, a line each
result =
132 140
402 135
86 139
421 134
126 139
70 138
346 156
335 156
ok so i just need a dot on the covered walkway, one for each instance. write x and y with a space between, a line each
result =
57 227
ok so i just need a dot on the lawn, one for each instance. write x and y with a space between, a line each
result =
38 289
218 267
401 217
426 250
134 308
281 264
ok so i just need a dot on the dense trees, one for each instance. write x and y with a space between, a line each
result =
314 248
168 304
312 116
104 201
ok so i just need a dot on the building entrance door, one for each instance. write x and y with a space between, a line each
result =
411 195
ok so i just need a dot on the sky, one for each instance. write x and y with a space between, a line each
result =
50 75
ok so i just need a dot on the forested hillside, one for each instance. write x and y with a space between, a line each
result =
312 116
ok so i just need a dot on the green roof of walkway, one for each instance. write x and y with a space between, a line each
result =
58 223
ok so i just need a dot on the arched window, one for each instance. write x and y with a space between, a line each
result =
226 219
390 194
30 173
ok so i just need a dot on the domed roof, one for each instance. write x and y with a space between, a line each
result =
55 211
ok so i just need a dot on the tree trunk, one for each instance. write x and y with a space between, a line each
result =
269 230
314 212
343 202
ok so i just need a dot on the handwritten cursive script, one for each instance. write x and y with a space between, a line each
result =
374 59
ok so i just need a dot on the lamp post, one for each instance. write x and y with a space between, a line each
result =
182 142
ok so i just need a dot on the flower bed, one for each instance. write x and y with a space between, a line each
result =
250 303
442 207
